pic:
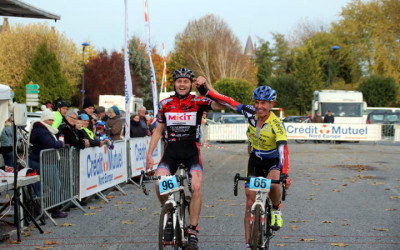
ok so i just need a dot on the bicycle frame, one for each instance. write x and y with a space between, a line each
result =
177 205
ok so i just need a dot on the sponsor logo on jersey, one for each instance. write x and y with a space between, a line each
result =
188 118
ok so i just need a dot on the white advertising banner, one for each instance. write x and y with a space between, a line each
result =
139 147
101 168
342 132
396 132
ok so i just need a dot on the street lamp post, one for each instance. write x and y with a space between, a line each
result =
83 70
329 64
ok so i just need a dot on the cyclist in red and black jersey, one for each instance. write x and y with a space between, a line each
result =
181 115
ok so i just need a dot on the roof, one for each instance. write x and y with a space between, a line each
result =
249 49
18 8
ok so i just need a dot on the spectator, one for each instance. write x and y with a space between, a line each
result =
142 119
41 137
62 108
7 143
101 112
88 108
114 123
317 118
87 133
101 134
329 118
72 136
49 106
136 129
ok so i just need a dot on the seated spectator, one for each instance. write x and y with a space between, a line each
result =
136 129
72 136
87 133
7 143
42 136
114 123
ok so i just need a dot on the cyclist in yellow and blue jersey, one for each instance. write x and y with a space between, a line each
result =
269 155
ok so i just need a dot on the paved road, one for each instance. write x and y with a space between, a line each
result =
346 194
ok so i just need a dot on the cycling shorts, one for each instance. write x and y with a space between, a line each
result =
260 167
186 152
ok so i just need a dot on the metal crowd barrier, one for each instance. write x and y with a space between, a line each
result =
226 132
55 179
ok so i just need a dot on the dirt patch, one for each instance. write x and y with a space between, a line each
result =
358 167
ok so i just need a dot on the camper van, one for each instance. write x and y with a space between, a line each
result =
119 100
346 106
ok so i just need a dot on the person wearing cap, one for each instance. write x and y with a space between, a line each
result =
114 123
41 137
62 108
88 108
87 133
101 112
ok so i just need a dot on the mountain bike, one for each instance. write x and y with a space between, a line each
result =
175 209
260 218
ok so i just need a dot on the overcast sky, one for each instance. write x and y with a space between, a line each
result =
102 21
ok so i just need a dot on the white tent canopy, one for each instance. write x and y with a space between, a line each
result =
4 92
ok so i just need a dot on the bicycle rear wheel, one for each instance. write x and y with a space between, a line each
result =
255 228
162 242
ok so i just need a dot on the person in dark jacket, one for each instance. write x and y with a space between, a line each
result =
72 136
88 108
41 137
136 129
329 118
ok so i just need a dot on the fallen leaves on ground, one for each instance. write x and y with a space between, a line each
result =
209 205
297 221
91 208
306 239
89 214
394 197
336 190
390 209
280 245
377 183
49 242
15 242
67 225
228 214
129 222
341 244
110 196
311 199
222 200
44 247
141 209
328 221
26 234
381 229
207 216
233 204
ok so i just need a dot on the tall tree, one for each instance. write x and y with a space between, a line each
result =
240 90
19 45
372 30
307 72
379 91
104 75
209 48
264 62
287 90
45 70
281 55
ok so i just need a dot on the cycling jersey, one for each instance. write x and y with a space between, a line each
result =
183 116
267 142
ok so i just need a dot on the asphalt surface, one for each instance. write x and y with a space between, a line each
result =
342 196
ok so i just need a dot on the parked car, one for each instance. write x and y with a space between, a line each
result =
386 118
231 119
215 116
297 119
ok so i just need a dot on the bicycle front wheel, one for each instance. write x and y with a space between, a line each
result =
255 228
166 235
268 230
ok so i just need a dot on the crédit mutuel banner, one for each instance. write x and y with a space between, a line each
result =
343 132
101 168
139 147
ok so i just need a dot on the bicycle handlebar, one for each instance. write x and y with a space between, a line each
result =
239 178
144 177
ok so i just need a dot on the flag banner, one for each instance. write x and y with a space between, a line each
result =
128 79
164 79
152 72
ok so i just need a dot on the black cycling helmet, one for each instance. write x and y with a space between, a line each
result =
183 73
61 104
